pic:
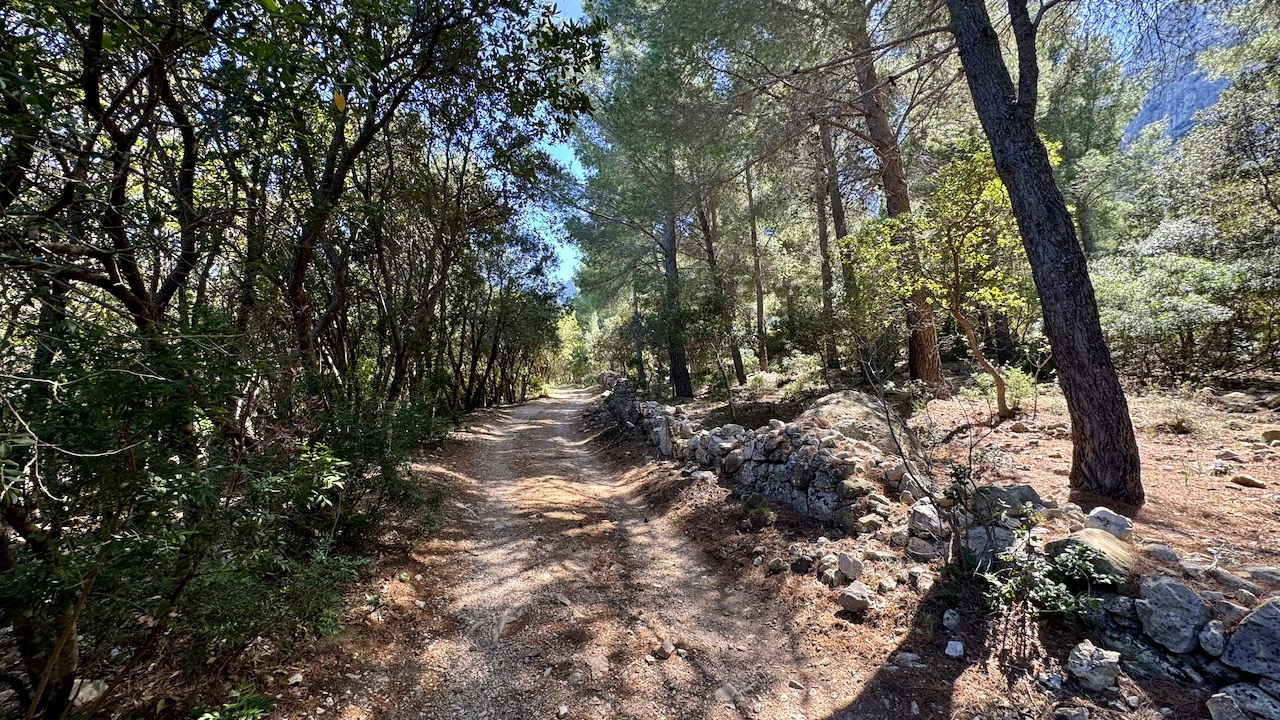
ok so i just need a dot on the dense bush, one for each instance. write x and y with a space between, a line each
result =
239 286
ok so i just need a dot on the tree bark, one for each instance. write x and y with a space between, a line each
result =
707 220
828 286
739 368
681 383
762 349
1088 230
1105 458
923 361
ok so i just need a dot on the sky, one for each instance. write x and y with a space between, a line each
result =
567 255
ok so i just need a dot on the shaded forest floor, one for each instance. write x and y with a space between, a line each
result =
569 554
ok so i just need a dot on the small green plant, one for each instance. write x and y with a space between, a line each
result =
244 704
759 515
1024 583
1175 418
1036 584
1019 387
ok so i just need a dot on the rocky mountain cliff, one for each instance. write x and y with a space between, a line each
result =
1179 90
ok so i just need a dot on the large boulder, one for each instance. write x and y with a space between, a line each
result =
1095 668
1114 556
1113 522
1254 647
1243 701
1172 614
861 416
990 501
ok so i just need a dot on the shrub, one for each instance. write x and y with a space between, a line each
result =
758 515
244 704
1019 387
807 375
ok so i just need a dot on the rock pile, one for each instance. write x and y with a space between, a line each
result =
1243 402
1174 631
837 465
808 465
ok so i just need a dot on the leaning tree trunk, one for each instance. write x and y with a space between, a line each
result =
975 347
923 361
1105 457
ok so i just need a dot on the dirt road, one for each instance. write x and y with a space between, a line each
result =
552 585
549 594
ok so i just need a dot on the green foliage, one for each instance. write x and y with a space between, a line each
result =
1020 387
874 288
244 704
1086 102
760 516
294 248
573 364
972 253
1172 313
1195 288
1025 582
1034 584
806 373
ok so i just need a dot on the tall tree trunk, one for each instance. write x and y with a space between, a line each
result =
762 349
828 285
1088 229
838 222
1006 353
637 336
707 221
923 361
1105 457
681 383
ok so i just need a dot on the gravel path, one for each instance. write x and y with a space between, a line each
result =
551 593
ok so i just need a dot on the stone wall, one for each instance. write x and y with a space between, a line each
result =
816 470
1172 624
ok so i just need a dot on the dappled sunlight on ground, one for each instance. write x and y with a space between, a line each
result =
554 584
569 555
